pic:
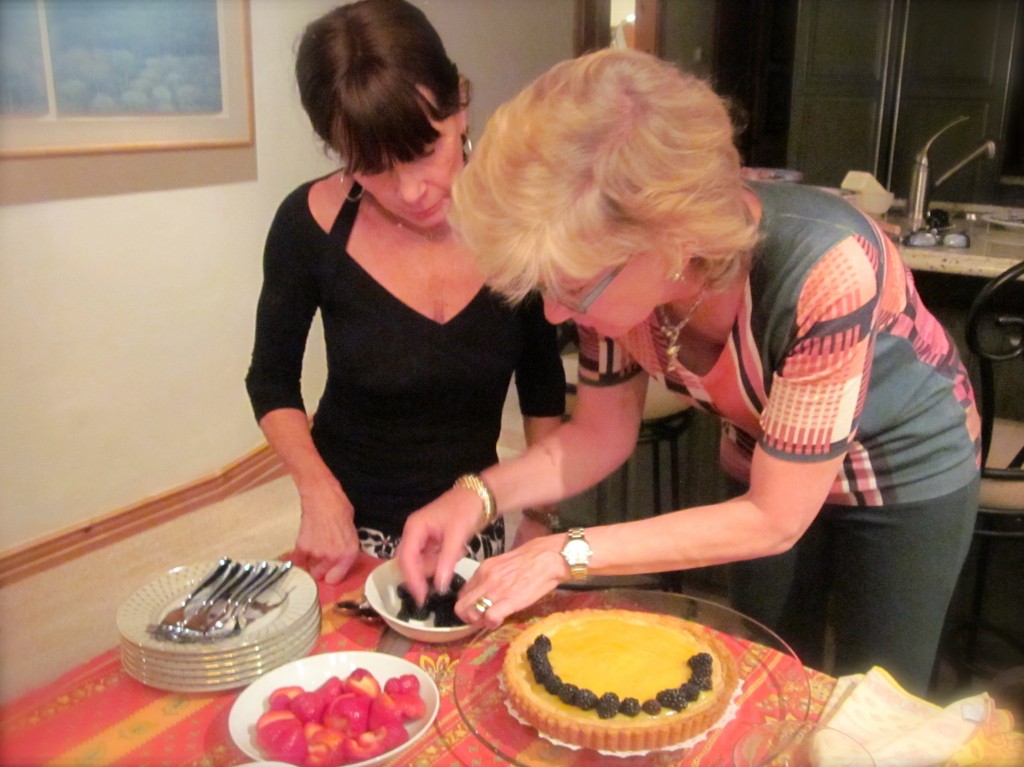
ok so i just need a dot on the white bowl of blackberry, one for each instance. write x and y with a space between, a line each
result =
435 621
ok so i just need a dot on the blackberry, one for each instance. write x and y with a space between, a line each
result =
434 600
553 684
445 617
690 691
543 673
541 667
543 641
701 679
629 707
608 705
673 699
701 662
568 694
651 706
408 603
441 606
412 610
586 699
535 654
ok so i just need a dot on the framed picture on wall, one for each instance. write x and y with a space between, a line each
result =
94 76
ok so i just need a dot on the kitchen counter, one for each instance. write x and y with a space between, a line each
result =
994 247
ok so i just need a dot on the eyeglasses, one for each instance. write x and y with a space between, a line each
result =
595 292
932 238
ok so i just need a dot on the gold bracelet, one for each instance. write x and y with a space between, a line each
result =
475 483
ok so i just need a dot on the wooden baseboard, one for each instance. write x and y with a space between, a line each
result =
252 470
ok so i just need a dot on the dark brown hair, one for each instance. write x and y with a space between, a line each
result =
360 70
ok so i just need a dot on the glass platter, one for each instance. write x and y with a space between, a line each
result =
774 684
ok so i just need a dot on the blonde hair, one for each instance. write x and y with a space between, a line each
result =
603 157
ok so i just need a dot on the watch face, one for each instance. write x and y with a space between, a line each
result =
576 552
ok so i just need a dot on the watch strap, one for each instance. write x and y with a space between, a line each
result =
578 569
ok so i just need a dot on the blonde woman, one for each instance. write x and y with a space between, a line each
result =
612 184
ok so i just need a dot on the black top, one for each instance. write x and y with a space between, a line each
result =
409 403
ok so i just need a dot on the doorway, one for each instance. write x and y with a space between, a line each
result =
745 50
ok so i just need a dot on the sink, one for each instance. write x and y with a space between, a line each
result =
962 216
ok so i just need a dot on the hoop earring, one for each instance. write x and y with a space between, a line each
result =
358 197
467 147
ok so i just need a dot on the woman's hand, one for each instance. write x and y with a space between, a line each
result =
434 539
328 544
513 581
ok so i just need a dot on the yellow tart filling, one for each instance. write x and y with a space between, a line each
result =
631 660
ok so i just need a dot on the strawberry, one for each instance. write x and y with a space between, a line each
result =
410 704
279 735
366 746
363 682
396 735
402 684
308 706
383 711
331 689
281 697
348 714
326 746
310 729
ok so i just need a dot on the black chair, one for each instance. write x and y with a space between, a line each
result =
983 646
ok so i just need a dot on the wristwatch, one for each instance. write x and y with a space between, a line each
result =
577 553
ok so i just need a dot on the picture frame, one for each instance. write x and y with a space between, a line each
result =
166 102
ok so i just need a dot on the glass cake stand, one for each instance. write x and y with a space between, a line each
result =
773 683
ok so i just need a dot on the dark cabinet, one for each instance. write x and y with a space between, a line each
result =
874 79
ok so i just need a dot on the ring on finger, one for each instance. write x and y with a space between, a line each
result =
483 604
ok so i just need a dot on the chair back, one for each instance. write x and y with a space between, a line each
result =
995 336
986 624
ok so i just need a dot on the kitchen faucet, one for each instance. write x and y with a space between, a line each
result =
917 199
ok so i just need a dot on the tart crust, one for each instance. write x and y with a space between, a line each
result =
595 653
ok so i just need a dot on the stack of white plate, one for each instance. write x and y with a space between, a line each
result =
286 632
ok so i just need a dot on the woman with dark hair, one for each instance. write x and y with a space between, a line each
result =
419 353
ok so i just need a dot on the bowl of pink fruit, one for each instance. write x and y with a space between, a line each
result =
343 708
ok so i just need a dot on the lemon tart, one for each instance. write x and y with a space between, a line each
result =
618 680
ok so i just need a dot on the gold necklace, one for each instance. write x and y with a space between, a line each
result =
430 235
671 332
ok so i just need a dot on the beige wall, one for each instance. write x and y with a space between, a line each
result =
126 316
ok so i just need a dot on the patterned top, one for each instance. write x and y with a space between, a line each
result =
832 354
409 403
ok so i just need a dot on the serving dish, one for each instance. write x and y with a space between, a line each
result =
309 673
773 683
381 593
1008 220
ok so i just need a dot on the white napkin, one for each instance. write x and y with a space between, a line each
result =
897 728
